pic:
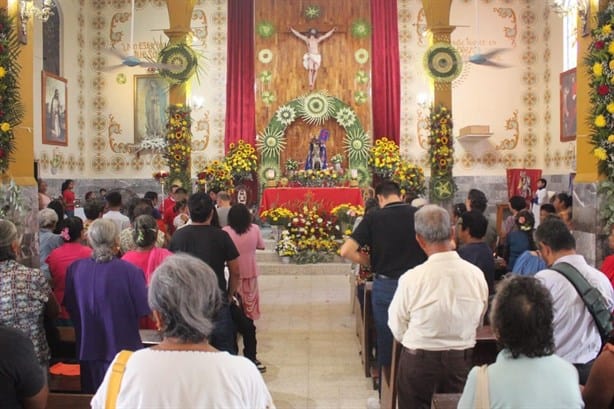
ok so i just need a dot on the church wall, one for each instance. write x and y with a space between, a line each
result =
520 104
101 114
524 97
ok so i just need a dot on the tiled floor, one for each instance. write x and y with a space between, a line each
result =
307 340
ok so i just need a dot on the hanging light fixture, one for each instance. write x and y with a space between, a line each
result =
32 9
569 7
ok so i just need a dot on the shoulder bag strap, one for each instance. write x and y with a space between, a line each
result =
482 396
115 381
583 287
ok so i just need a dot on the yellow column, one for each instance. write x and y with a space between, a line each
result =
21 168
437 14
180 17
586 163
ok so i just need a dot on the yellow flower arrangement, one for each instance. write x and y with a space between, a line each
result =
410 178
384 158
314 234
179 144
242 160
278 216
216 176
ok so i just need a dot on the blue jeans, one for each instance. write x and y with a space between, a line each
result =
224 332
381 296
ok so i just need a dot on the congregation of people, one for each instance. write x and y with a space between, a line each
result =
187 268
439 276
124 267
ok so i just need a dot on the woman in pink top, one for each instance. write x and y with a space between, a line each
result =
147 256
247 239
71 231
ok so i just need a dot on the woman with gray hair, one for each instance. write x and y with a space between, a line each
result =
47 240
25 295
184 370
527 373
105 297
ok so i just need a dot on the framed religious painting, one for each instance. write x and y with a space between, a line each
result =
54 101
568 105
150 104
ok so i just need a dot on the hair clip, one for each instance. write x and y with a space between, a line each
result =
64 234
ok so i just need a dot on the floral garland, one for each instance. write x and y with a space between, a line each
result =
384 158
410 179
11 109
216 176
600 63
441 154
179 145
242 160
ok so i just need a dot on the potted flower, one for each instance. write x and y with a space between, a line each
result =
285 247
336 161
410 179
346 215
216 176
384 158
291 167
242 161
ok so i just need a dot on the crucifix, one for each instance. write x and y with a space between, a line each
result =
312 59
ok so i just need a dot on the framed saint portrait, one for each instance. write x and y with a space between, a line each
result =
150 104
568 105
54 110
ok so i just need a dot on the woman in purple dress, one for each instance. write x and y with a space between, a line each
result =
105 297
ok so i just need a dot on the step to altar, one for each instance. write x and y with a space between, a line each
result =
278 268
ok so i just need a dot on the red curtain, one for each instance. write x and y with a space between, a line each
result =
240 102
386 77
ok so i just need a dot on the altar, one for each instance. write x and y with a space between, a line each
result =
325 198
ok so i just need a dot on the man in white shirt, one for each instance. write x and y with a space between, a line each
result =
576 336
114 204
435 312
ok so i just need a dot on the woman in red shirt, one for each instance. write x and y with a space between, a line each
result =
69 197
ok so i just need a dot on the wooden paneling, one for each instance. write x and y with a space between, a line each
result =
289 79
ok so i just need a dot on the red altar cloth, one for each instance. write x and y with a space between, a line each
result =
294 198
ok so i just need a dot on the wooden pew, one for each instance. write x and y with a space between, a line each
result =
484 352
366 330
445 400
68 401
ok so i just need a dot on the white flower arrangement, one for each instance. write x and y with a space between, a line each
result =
285 246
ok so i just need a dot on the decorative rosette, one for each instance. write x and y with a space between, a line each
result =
11 109
443 62
265 29
316 108
312 12
361 56
357 145
181 55
271 142
360 29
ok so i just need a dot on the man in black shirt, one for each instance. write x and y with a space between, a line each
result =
22 382
215 247
389 233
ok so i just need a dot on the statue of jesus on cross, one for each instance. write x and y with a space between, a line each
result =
312 58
